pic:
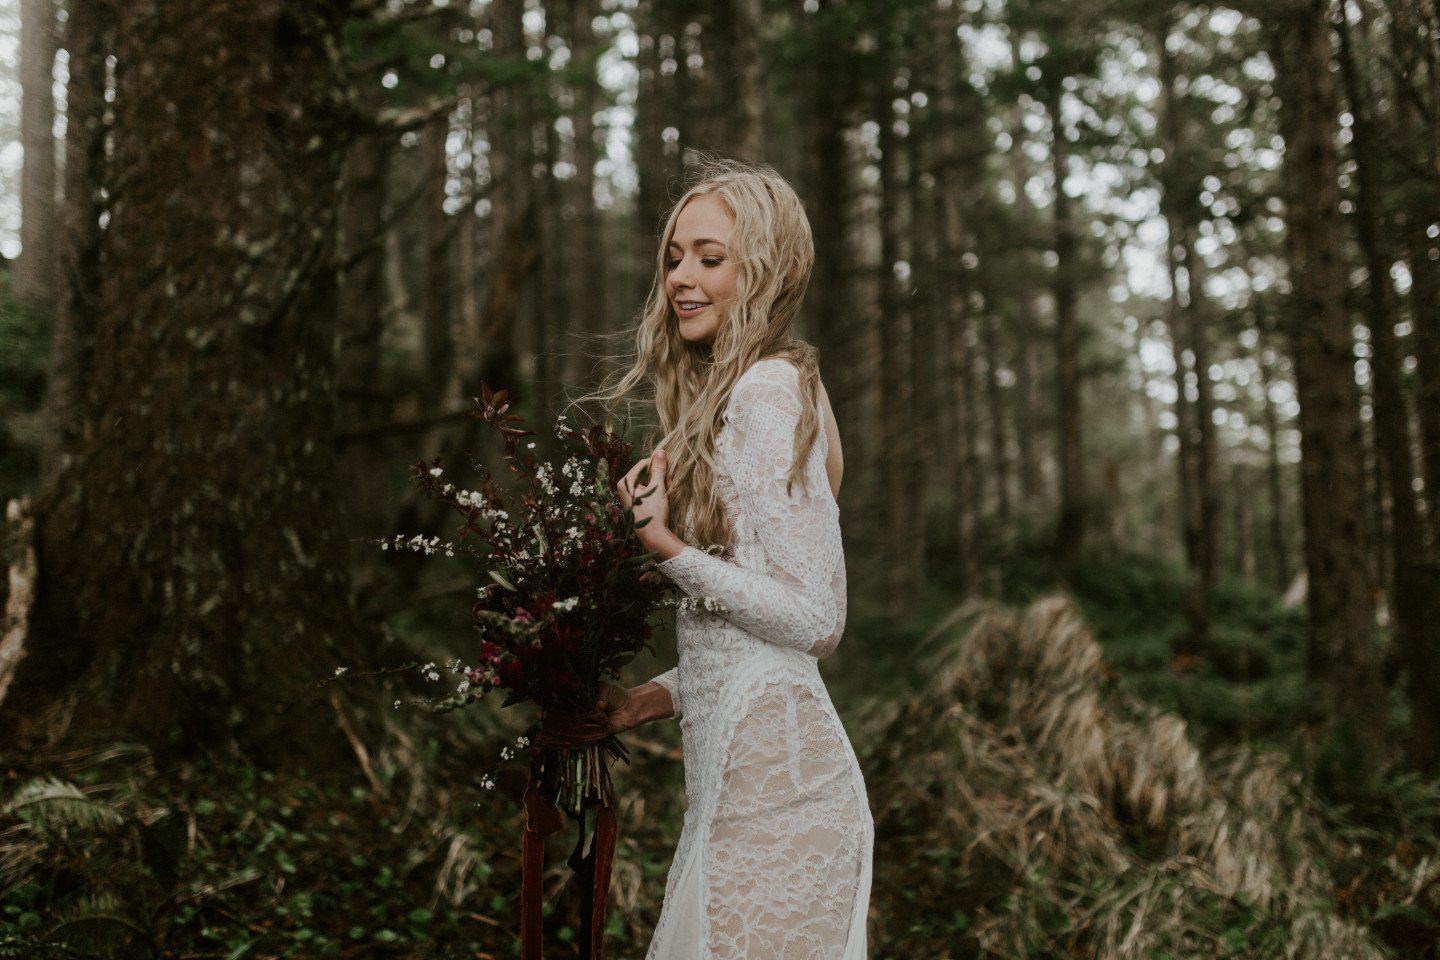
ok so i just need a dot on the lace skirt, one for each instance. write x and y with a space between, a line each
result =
774 860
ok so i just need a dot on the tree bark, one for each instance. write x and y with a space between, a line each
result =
88 39
437 340
1073 510
995 397
747 139
1275 487
904 567
1341 604
362 296
1416 595
35 275
513 240
588 309
191 549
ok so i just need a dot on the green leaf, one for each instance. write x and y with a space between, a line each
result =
498 578
45 800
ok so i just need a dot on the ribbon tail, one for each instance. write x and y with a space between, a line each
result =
604 853
541 820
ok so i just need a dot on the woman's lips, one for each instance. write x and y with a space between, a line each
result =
688 308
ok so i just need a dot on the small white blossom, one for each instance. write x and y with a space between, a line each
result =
487 782
568 604
506 753
464 685
397 704
521 743
340 671
436 471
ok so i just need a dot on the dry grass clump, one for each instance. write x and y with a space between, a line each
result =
1051 822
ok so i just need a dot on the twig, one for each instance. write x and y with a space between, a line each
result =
360 752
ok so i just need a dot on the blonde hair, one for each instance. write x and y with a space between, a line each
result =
772 249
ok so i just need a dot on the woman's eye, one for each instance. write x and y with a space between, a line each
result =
713 261
671 265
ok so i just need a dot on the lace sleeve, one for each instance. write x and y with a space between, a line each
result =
670 680
798 599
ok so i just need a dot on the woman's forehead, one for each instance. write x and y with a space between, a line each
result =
703 218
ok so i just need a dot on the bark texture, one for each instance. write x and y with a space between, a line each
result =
1341 603
1416 578
35 276
192 554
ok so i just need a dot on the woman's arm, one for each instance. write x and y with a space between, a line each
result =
798 600
630 708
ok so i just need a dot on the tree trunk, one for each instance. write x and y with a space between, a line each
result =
588 279
437 342
1341 604
829 313
1028 419
513 241
904 565
1197 607
362 297
88 37
995 396
190 549
1071 538
1415 599
35 274
1279 546
747 141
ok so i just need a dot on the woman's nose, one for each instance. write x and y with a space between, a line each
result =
681 278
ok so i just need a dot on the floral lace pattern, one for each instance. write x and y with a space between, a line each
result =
774 857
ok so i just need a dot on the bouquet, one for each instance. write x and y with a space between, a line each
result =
565 601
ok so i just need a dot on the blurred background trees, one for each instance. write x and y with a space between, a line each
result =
1092 279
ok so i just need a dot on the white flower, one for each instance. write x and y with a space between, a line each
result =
529 446
464 685
568 604
521 743
397 704
340 671
506 753
487 782
436 471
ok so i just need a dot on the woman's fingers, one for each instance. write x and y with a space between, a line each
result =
629 483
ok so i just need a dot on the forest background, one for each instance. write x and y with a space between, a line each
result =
1130 303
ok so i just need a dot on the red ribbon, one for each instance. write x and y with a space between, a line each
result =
566 731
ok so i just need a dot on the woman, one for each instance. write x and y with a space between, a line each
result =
774 856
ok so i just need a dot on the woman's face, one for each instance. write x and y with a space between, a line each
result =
700 277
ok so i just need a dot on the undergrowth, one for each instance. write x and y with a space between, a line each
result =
991 844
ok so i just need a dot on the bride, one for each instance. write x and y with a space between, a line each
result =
774 858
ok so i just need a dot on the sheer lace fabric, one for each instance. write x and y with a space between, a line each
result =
773 861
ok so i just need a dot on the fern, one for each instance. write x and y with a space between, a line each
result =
98 926
44 801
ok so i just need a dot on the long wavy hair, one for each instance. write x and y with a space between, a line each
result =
691 383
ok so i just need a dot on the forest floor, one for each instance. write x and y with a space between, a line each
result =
1037 793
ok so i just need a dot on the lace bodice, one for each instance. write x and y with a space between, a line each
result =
774 858
786 583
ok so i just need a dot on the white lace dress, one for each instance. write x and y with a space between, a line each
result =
774 858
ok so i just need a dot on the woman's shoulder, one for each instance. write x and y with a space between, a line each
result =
774 380
778 369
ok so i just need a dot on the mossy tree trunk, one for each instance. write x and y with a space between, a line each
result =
193 555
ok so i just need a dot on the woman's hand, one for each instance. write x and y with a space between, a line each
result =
628 709
651 504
